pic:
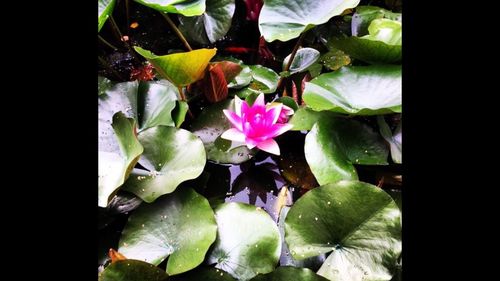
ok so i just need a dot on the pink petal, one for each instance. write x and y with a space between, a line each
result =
278 129
287 110
233 135
270 146
251 143
233 118
273 114
259 101
237 105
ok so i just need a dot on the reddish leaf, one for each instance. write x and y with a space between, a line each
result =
214 84
115 256
229 68
264 53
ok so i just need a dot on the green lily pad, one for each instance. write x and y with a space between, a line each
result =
290 273
360 90
105 9
284 20
248 241
242 79
288 101
187 8
357 222
394 140
181 69
171 156
364 15
335 59
204 274
211 25
209 125
151 103
305 118
304 58
119 151
180 226
381 45
264 79
335 144
132 270
369 50
179 113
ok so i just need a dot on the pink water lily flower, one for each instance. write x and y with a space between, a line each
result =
256 125
285 113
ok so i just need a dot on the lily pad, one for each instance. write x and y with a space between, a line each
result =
105 9
187 8
381 45
335 59
209 125
264 79
132 270
151 103
364 15
183 68
304 58
180 226
119 150
360 90
335 144
204 274
305 118
216 22
242 79
284 20
248 241
171 156
357 222
290 273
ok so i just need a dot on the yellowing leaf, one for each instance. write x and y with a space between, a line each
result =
181 69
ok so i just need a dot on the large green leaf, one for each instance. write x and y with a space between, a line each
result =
181 69
158 100
303 59
150 103
105 8
209 125
381 45
187 8
264 80
248 241
171 156
368 50
360 90
204 274
358 222
289 273
334 144
132 270
119 151
364 15
305 118
394 140
216 22
180 226
284 20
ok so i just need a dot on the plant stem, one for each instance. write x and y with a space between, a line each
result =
177 31
107 43
183 98
127 13
115 28
292 56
